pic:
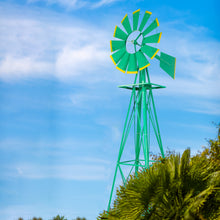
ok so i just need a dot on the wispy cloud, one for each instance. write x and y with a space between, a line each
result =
86 166
83 100
40 47
75 4
74 62
197 54
12 144
197 61
103 2
69 4
182 86
205 107
94 170
21 67
16 211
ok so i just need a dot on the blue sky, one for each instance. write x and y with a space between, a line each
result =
61 113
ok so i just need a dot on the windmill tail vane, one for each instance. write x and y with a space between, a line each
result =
132 50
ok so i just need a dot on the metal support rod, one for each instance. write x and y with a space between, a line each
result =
122 175
145 147
155 115
138 132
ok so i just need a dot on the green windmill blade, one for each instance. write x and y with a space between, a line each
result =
135 19
117 44
155 38
151 27
142 61
149 51
123 63
132 64
126 24
144 20
118 55
119 33
167 63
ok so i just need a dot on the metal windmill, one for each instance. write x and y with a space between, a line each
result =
130 53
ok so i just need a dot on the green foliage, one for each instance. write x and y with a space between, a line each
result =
59 218
34 218
212 153
183 187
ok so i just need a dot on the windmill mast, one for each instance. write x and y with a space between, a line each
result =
142 115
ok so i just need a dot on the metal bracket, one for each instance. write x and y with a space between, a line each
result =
138 86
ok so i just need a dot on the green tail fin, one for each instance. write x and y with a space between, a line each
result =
167 63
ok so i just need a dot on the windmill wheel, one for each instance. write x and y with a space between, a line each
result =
131 50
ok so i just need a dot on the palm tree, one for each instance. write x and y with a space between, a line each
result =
175 188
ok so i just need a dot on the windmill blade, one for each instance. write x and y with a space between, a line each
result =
122 65
118 55
151 27
132 64
155 38
126 24
119 33
116 44
144 20
135 19
142 61
149 51
167 63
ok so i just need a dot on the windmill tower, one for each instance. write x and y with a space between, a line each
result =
130 53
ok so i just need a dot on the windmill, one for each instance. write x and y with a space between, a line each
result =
131 51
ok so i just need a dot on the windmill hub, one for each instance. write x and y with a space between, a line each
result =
134 42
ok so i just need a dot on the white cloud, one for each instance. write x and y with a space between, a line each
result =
103 2
189 87
37 47
197 54
14 68
197 61
83 100
205 107
208 128
75 4
69 4
73 62
86 166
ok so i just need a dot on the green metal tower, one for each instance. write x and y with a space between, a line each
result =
130 53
